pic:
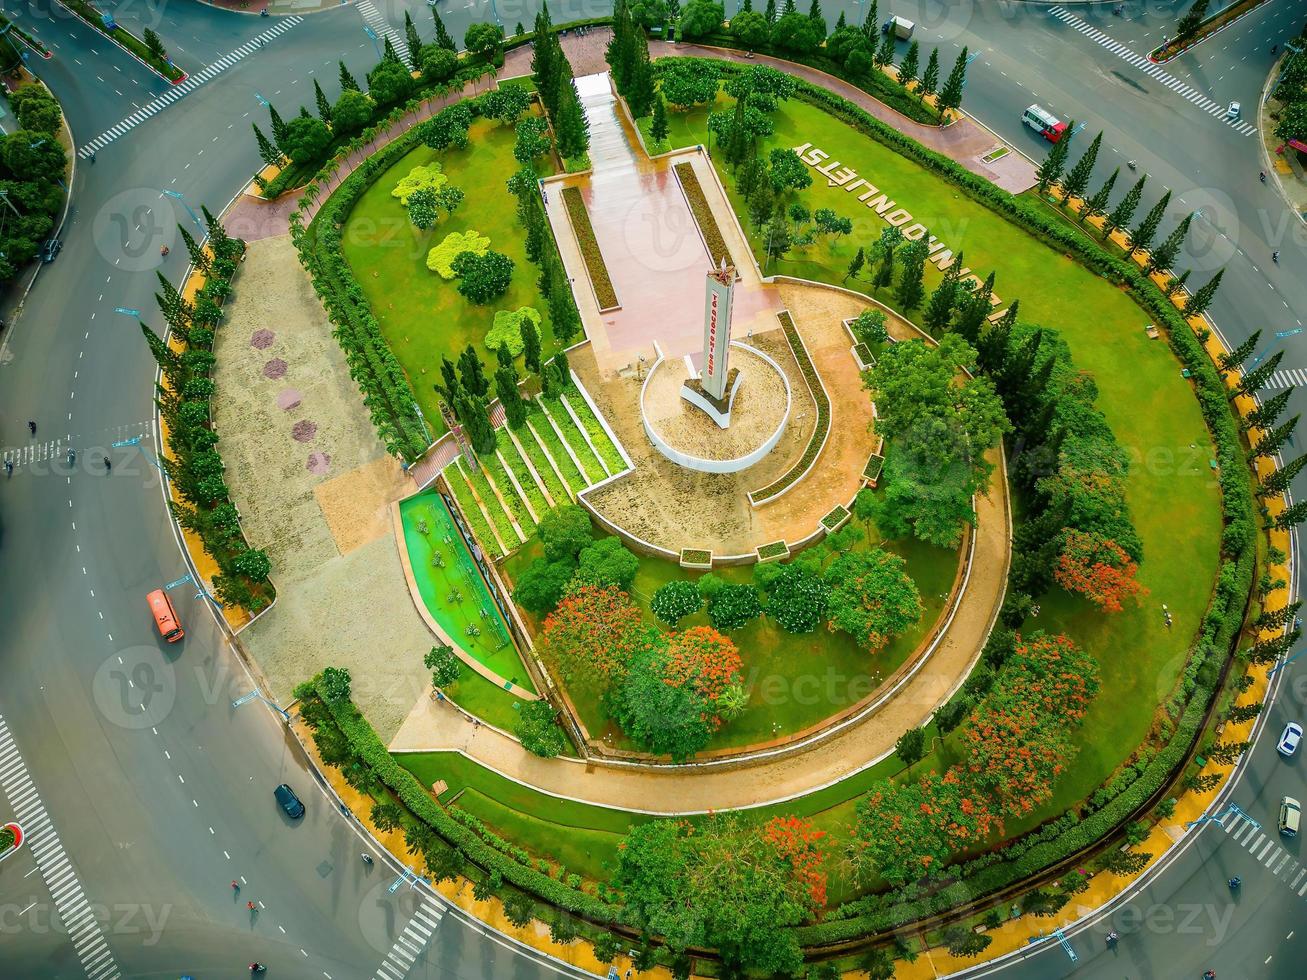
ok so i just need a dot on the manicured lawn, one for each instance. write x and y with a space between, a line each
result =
422 316
492 704
794 681
1172 492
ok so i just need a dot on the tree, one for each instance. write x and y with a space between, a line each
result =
675 600
939 311
335 684
482 278
1162 257
267 152
724 884
750 28
911 745
1269 444
661 717
1051 169
387 816
472 376
650 13
154 45
950 96
1078 178
1293 121
389 83
975 307
884 53
571 129
324 107
564 531
796 33
658 125
443 37
883 251
278 126
485 41
871 597
476 423
541 586
961 941
1126 863
347 81
537 729
689 83
443 663
1098 568
1197 303
1188 25
413 40
438 64
1097 204
910 290
608 562
908 66
797 598
855 264
506 386
830 223
36 110
733 606
353 111
1254 380
530 346
1276 483
1143 234
421 208
701 18
305 139
930 77
710 664
1121 214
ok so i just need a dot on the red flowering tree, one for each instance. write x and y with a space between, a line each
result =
1019 739
710 664
1097 568
797 842
594 631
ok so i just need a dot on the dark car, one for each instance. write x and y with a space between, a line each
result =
50 249
289 801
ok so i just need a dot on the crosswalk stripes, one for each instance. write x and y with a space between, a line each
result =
1288 378
1187 92
206 74
60 878
410 944
377 21
1264 846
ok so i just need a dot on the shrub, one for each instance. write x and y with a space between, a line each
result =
430 177
540 587
564 531
796 599
438 64
305 139
732 606
507 329
675 600
539 733
352 111
482 277
440 259
443 663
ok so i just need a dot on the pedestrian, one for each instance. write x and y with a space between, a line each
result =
250 906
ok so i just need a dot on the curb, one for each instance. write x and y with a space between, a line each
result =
1264 147
122 47
1152 55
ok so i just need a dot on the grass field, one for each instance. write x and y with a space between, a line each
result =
794 681
1172 492
422 316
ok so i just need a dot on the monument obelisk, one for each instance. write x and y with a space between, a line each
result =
711 387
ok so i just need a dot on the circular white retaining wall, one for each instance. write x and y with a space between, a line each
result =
700 464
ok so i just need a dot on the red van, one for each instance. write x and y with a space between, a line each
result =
165 617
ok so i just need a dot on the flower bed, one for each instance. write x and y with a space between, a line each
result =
598 436
551 443
773 551
471 512
836 519
585 238
703 216
871 472
863 356
819 433
699 558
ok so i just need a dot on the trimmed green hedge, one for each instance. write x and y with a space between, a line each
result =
703 216
471 841
589 245
795 472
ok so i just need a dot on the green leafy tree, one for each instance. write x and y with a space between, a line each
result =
608 562
351 113
421 208
305 139
482 278
438 64
335 684
796 33
658 125
564 531
911 745
750 29
485 41
389 83
701 18
930 77
911 289
677 599
787 171
538 730
871 597
1188 25
443 663
154 45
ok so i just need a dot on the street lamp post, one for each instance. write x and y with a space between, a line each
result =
177 195
256 696
373 34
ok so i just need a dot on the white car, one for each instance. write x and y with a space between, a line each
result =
1233 110
1289 739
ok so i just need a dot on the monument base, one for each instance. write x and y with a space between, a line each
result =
717 409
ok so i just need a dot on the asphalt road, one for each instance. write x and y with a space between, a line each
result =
160 792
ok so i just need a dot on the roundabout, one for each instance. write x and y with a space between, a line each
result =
579 628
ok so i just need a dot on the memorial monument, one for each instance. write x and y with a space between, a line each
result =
712 382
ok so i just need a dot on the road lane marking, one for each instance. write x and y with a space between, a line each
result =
410 943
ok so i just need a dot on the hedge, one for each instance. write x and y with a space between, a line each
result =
819 432
703 216
466 836
585 238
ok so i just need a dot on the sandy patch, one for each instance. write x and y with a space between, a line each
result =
356 505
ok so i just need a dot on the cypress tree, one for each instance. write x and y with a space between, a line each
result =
1125 209
908 67
563 316
571 128
1256 379
814 15
1270 443
267 152
530 346
219 240
472 374
1097 204
1278 482
992 349
545 58
746 7
445 41
1144 233
388 52
910 290
1176 283
564 369
887 248
841 23
509 396
950 96
1051 169
975 308
1232 359
1199 301
171 302
1162 257
412 39
658 126
451 387
347 82
939 311
164 356
1078 179
476 424
884 54
1291 517
855 264
642 88
324 107
771 12
199 258
788 8
930 77
871 23
1276 619
1267 413
618 51
278 126
1189 23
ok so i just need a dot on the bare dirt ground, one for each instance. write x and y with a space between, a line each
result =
313 486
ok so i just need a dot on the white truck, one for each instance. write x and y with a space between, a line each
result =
901 26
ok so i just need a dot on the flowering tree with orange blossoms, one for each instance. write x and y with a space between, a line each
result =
595 630
725 885
1019 739
710 664
1097 568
